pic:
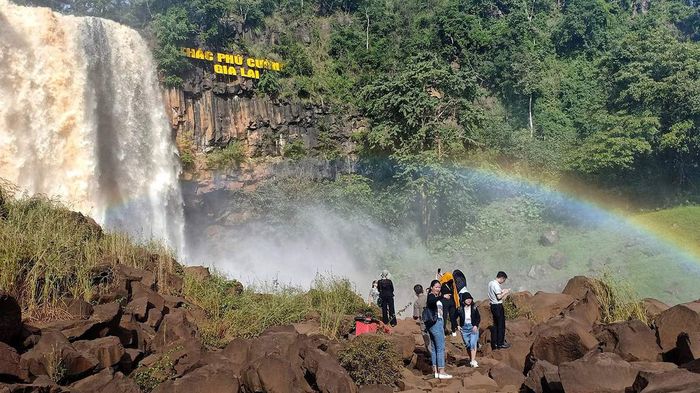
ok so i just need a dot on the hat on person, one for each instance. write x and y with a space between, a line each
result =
466 296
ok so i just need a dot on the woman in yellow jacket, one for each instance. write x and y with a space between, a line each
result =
451 300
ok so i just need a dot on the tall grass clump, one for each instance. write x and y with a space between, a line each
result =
334 298
235 312
618 299
48 252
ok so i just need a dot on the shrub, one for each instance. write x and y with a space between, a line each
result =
618 299
229 157
371 359
294 150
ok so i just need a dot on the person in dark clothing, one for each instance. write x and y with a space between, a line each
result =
437 332
496 296
469 315
449 304
386 295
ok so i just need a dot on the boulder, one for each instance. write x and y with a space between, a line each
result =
9 364
558 260
106 381
688 347
107 350
237 353
586 311
274 374
176 328
632 340
505 375
405 345
549 238
517 354
133 334
693 366
653 307
207 379
543 377
653 367
54 355
76 308
138 308
173 301
578 286
130 360
545 305
682 318
376 389
676 381
327 373
561 340
597 372
134 274
10 318
154 318
200 273
139 290
104 318
478 381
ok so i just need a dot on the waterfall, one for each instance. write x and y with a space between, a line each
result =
82 119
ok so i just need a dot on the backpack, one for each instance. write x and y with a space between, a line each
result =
429 318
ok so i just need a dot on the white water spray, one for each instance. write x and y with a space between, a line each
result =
82 119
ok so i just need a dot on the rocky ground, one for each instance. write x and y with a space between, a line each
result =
132 339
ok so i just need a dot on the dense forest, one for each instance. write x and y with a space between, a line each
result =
604 90
599 96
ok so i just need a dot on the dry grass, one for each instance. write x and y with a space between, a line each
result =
47 252
618 299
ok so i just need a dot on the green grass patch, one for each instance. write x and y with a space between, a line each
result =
233 313
229 157
678 224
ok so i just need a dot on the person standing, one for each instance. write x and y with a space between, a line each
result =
418 307
469 315
496 296
437 333
450 301
386 296
373 294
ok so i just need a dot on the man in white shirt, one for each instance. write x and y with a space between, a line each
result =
496 296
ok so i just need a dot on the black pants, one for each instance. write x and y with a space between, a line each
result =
499 325
451 311
388 313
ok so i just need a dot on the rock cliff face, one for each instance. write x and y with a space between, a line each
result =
211 113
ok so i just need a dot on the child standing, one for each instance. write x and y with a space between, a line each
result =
469 315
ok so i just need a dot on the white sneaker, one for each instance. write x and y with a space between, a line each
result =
437 376
454 334
474 364
444 376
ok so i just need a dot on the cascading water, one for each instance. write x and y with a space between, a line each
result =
82 119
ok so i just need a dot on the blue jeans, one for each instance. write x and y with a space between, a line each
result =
437 343
470 338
